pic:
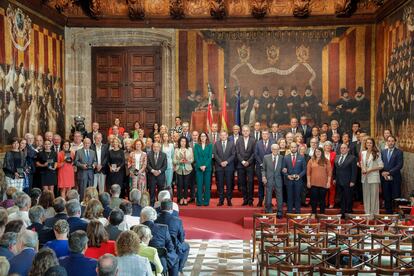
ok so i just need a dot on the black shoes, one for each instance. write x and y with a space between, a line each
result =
220 203
229 203
245 203
260 204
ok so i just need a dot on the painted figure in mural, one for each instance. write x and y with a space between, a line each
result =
265 106
342 109
188 105
294 103
248 109
281 110
312 106
360 106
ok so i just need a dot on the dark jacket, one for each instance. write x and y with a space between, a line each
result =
229 155
76 223
176 229
113 232
78 264
50 222
347 171
243 154
22 262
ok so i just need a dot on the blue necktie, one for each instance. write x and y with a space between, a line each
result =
87 155
389 155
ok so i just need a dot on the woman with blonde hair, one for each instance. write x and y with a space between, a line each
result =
168 149
90 193
137 165
94 210
116 163
129 262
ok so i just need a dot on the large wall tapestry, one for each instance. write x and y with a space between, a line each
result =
395 76
31 75
280 73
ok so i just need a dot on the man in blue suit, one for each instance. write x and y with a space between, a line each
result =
294 170
22 262
176 229
161 238
76 263
391 173
263 147
73 209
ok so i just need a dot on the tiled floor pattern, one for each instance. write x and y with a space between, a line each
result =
219 257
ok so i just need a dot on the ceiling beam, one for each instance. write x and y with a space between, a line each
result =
389 7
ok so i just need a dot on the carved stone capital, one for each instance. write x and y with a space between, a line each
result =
136 9
260 8
343 7
177 9
218 9
95 10
301 8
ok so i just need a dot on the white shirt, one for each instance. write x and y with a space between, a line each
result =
276 158
236 137
137 160
246 142
21 215
98 153
128 222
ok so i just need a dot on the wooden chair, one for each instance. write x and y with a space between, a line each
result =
275 255
368 229
259 218
357 219
407 233
386 241
306 240
325 256
349 241
386 219
338 271
324 219
295 270
393 272
403 258
298 218
370 258
338 228
269 239
404 210
307 228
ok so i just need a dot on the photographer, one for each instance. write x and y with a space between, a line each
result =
66 173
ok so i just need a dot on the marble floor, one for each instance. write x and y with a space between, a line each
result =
219 257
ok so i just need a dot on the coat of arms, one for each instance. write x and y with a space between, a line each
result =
272 54
244 53
302 54
20 28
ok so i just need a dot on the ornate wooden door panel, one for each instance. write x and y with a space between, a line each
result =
126 84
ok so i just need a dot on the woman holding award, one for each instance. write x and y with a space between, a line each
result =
137 164
183 158
116 163
13 165
46 164
66 172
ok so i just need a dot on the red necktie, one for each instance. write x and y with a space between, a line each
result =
294 160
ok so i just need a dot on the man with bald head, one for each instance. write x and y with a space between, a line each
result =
85 161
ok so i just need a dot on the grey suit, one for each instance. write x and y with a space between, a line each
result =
85 176
274 179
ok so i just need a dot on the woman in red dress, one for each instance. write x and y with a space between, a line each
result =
330 155
98 243
66 172
117 123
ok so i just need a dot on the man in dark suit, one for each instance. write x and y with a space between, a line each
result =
44 233
344 175
257 133
85 162
391 173
245 167
336 143
294 169
355 150
95 130
235 135
101 152
334 129
115 218
73 209
22 262
59 207
156 167
76 263
213 136
193 184
224 153
161 238
262 148
305 128
272 179
176 229
57 143
276 133
294 128
186 131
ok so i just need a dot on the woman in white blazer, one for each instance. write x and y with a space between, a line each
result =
371 164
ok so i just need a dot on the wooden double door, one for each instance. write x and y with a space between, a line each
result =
126 84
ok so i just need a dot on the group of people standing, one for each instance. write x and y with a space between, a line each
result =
332 166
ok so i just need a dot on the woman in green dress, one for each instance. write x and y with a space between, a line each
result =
203 155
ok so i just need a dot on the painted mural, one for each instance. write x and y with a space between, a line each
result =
395 76
31 75
324 73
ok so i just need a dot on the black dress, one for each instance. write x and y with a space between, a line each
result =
118 158
48 177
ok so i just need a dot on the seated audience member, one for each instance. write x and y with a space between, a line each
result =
4 266
176 229
8 245
107 265
28 243
76 263
56 270
59 207
115 193
105 200
129 262
135 198
72 194
44 259
151 253
46 201
15 226
94 210
35 194
165 195
98 243
90 193
4 217
23 202
161 238
60 245
129 220
73 209
36 215
116 217
9 201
